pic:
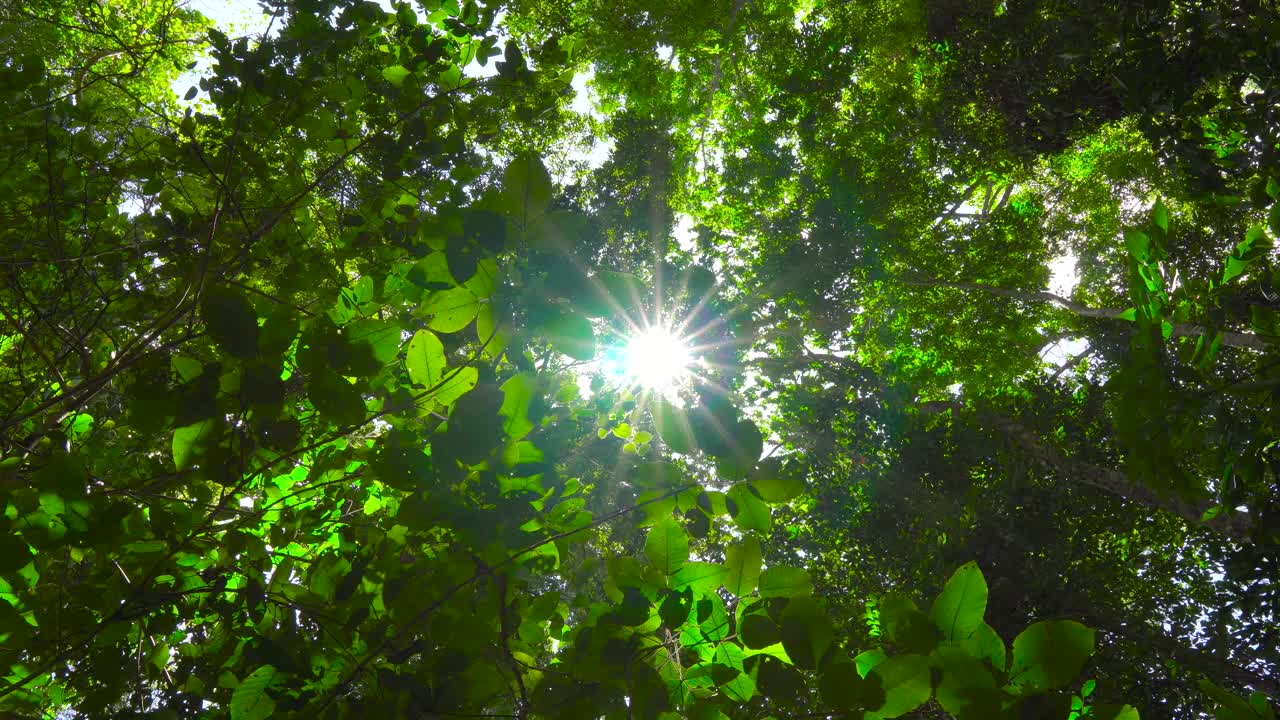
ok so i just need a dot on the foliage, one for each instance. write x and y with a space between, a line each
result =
306 411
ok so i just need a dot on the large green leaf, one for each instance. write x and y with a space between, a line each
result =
672 425
1229 706
902 623
14 552
558 231
732 680
667 546
907 681
337 399
967 688
758 631
785 582
456 383
1108 711
518 393
1049 654
701 577
382 337
250 701
843 688
425 360
807 632
959 608
748 511
742 567
778 489
231 321
571 334
450 310
189 441
986 644
526 188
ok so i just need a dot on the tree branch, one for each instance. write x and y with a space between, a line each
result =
1229 338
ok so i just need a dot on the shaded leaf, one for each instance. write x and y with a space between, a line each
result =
667 546
742 567
250 700
786 582
231 321
1050 654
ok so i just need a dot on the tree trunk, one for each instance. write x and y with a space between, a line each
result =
1230 339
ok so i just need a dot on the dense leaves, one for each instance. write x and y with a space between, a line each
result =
319 351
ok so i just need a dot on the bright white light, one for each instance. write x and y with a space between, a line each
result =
656 359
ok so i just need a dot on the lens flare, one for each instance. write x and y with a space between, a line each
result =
655 359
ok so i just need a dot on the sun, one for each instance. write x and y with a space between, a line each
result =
655 359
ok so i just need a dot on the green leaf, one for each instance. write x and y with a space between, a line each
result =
806 632
382 337
736 685
1160 216
959 608
1139 244
611 293
456 384
672 425
1050 654
701 577
1230 706
336 399
758 631
571 334
778 489
907 683
14 555
1107 711
231 321
518 394
526 188
867 660
250 700
967 687
742 566
424 359
986 644
747 443
395 74
902 622
667 546
786 582
450 310
558 231
748 511
491 332
189 441
432 272
842 687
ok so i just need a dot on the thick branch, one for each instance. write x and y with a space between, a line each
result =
1234 525
1229 338
1221 670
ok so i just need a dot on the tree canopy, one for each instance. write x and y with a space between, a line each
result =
852 359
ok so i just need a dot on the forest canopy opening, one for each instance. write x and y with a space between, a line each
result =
655 358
